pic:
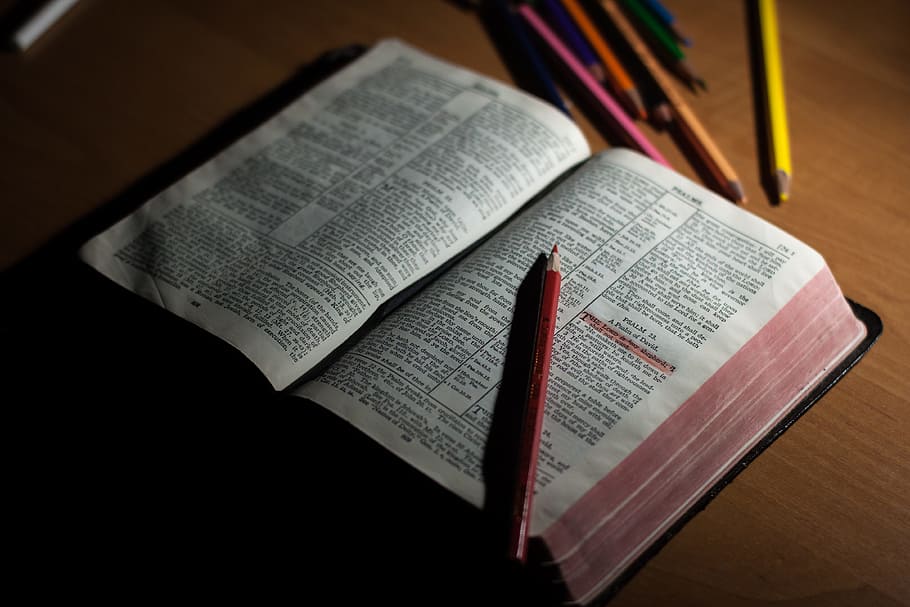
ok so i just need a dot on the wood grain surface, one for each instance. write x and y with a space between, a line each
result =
823 516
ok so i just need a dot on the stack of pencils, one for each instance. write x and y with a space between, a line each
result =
625 58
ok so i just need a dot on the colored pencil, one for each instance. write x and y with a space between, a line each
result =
652 96
665 42
616 74
712 159
775 106
532 420
512 39
572 37
667 18
621 122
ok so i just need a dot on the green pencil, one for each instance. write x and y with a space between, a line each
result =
665 41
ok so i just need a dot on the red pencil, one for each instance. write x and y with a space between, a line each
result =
529 440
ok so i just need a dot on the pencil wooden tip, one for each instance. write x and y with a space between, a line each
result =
663 114
681 37
636 103
690 76
783 185
736 188
553 262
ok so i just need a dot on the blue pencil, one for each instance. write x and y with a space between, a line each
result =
534 72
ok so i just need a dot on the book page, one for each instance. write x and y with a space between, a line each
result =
290 239
663 281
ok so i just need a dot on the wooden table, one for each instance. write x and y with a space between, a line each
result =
823 516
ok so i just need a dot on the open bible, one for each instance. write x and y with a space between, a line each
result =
364 246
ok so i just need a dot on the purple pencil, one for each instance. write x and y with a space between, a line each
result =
573 38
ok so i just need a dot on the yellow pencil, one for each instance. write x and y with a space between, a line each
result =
774 86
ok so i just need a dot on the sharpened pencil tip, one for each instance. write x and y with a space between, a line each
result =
690 76
636 103
681 37
739 196
663 114
783 185
553 263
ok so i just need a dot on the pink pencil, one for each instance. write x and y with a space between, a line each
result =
613 109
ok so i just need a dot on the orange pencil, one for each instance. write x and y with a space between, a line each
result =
616 74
